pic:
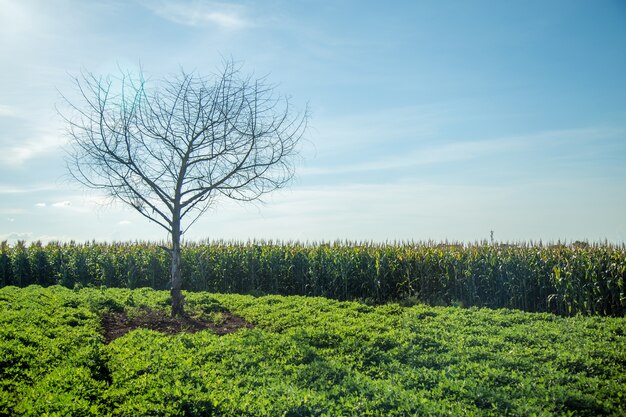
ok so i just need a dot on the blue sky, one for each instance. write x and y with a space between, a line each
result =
429 119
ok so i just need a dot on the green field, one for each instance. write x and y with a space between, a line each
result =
305 356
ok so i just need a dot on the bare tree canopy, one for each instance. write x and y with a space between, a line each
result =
170 149
182 144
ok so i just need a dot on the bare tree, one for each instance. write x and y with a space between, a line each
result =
171 150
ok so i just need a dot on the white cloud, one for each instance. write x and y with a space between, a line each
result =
124 222
29 237
16 19
62 204
12 211
18 154
40 205
200 13
12 189
13 237
7 111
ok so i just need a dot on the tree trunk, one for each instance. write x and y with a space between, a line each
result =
177 275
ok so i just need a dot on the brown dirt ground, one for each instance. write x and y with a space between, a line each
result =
117 324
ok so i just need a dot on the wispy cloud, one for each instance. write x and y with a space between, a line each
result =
80 203
200 13
448 152
32 237
24 189
16 18
7 111
17 154
463 150
421 210
11 211
13 237
415 210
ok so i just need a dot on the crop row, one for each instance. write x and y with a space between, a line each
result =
563 279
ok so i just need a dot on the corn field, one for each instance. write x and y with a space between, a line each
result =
557 278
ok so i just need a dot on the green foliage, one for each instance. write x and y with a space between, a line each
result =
49 355
21 265
41 269
306 356
6 271
562 279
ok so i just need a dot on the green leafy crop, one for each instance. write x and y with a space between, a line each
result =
306 356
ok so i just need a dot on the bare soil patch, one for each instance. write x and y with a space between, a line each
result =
117 324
